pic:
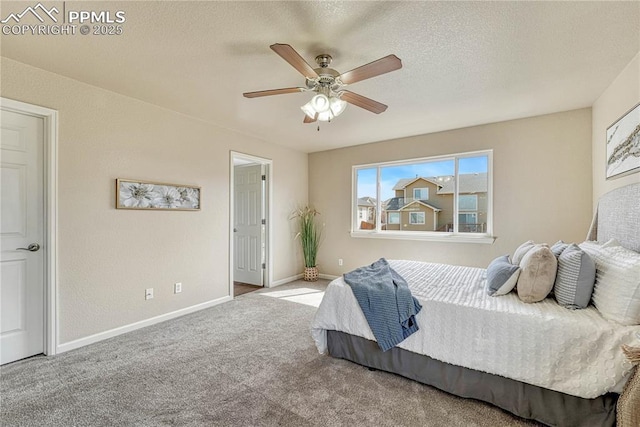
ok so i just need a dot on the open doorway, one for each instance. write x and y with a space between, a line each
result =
249 223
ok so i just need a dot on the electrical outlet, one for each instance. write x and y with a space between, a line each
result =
177 288
339 261
148 293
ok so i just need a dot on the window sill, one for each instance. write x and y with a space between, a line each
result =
445 237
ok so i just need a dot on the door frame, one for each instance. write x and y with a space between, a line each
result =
268 165
50 220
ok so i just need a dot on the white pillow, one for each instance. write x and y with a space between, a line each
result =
617 291
593 248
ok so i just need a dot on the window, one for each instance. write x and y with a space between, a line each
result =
468 223
468 202
426 198
366 196
421 194
362 214
416 218
468 215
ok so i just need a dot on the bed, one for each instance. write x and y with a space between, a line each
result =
539 361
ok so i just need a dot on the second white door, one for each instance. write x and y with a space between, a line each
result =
248 229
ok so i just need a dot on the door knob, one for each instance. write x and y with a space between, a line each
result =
235 230
34 247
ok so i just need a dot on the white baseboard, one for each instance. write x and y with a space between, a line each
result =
286 280
298 277
81 342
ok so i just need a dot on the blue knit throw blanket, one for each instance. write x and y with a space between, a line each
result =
386 301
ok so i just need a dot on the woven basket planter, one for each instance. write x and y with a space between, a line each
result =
628 408
629 402
310 274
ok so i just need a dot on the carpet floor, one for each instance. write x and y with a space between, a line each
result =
248 362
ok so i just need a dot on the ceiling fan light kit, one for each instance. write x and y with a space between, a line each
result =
331 97
323 108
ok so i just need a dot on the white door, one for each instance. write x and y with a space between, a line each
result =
22 232
247 231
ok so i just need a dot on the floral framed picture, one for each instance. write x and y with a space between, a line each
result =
136 194
623 144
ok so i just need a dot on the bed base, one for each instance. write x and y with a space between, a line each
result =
524 400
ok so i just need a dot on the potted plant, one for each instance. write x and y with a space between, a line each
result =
309 234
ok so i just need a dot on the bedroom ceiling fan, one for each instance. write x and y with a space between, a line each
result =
330 97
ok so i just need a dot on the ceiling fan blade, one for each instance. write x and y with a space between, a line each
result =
308 119
363 102
273 92
383 65
290 55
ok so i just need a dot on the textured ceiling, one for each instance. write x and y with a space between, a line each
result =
464 63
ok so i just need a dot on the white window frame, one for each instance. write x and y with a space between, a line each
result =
421 214
454 236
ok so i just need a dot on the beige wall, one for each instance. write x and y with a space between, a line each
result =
107 257
542 189
617 99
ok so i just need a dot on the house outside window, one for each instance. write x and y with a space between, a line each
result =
424 198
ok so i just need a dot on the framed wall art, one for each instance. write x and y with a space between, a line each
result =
137 194
623 144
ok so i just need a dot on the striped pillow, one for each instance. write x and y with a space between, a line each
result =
575 279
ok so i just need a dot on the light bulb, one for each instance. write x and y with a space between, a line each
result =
337 105
325 116
320 103
308 110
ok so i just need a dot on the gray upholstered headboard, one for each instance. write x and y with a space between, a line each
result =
618 217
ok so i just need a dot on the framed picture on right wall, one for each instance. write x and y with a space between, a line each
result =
623 144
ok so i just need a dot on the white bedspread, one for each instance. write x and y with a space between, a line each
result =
575 352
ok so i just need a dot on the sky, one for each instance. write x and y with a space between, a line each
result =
391 174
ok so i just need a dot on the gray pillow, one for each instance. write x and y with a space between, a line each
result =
559 247
502 276
575 279
539 267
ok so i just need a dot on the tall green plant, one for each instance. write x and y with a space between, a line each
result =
309 233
